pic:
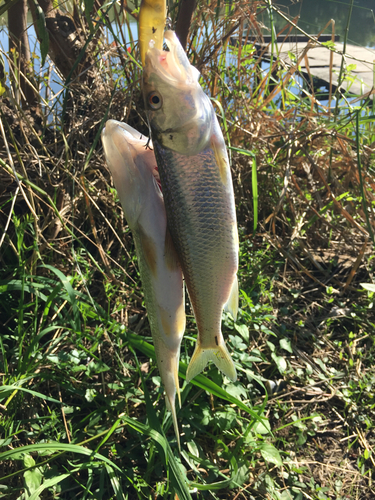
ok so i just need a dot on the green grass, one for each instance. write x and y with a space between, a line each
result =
55 344
82 412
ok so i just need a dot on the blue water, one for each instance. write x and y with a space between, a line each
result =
315 14
51 86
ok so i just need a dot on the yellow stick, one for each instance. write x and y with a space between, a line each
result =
151 23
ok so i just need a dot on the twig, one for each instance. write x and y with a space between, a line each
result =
9 216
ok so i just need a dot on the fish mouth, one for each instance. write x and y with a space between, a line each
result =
130 132
132 136
171 65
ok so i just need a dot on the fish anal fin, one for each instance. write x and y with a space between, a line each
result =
218 355
232 305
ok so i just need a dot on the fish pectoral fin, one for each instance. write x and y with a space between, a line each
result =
232 305
218 355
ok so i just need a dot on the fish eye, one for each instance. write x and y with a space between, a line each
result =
154 100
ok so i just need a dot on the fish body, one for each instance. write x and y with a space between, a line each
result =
198 195
133 168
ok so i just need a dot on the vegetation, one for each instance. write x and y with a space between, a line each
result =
82 413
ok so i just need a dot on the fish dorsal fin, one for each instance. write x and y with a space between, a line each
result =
232 305
221 161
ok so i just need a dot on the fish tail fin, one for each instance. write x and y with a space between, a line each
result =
172 408
218 355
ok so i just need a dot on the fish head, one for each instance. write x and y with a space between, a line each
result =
132 165
179 112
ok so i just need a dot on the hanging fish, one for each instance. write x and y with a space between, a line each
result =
198 194
134 172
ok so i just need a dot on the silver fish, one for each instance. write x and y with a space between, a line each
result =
133 168
198 194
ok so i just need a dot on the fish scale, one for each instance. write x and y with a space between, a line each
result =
200 221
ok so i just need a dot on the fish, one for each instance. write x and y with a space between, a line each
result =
134 171
198 195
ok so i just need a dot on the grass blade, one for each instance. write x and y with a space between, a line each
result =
254 185
48 483
71 293
200 381
9 388
18 453
363 194
178 480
